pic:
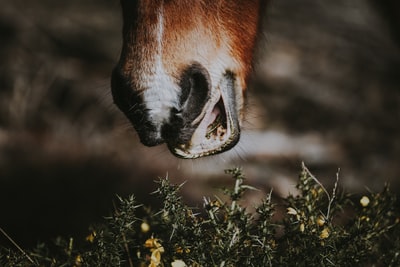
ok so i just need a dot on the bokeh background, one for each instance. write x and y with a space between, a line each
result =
326 92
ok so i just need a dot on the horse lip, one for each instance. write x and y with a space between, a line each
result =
199 145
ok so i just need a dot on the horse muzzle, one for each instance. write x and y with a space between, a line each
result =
202 120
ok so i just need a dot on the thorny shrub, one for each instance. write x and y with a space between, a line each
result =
317 228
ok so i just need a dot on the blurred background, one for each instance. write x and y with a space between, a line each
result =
326 92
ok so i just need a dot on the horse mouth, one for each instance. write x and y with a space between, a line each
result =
216 128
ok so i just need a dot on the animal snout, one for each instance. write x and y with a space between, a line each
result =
156 118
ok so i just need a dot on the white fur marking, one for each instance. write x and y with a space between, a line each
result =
161 93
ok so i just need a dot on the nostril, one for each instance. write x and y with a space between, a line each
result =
195 85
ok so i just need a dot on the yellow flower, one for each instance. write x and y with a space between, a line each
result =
364 218
152 243
291 211
90 238
321 220
364 201
324 234
78 261
156 249
155 258
178 263
314 193
215 203
302 226
145 227
180 250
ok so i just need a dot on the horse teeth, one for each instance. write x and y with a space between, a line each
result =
216 129
221 131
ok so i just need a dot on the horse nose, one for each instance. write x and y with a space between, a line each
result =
195 85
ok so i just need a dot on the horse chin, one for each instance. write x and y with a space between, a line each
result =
216 128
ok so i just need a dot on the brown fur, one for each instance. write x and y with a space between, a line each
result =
189 24
184 64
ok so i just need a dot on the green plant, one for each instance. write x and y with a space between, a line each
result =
313 228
